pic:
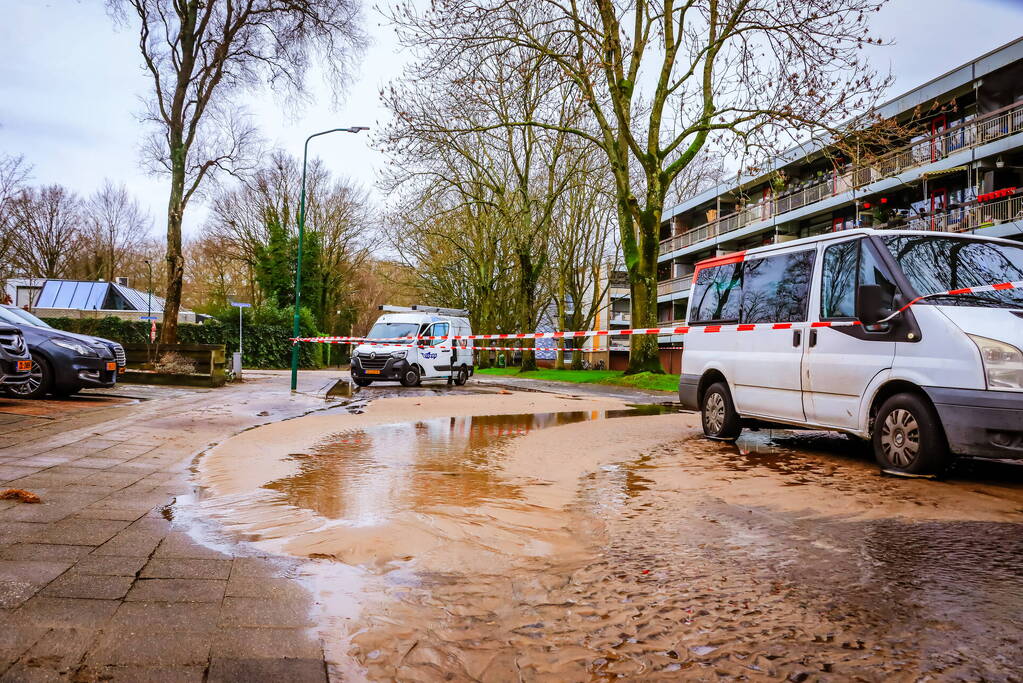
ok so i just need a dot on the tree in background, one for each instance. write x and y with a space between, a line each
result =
116 230
200 55
48 222
663 81
13 174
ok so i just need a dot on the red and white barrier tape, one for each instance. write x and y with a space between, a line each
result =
682 329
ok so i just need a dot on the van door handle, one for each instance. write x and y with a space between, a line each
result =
797 337
813 337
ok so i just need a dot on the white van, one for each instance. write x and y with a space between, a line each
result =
943 377
411 361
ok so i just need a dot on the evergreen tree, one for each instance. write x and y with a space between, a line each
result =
274 270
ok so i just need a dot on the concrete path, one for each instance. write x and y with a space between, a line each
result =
99 583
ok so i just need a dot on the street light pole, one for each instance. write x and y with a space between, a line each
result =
301 236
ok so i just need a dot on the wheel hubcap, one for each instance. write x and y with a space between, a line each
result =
714 413
900 438
35 378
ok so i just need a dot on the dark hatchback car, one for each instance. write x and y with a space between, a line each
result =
15 360
63 363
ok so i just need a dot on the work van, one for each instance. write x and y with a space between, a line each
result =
400 353
815 333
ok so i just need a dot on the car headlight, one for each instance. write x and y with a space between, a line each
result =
1003 364
399 354
72 345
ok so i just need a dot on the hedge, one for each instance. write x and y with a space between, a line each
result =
266 345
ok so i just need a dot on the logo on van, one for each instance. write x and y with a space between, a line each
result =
429 354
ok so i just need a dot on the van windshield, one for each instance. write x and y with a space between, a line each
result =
939 263
393 330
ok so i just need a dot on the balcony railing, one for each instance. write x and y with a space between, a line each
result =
674 285
965 218
968 135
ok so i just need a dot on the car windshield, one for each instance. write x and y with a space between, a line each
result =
27 317
939 263
11 318
393 330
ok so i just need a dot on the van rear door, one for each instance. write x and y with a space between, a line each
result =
840 362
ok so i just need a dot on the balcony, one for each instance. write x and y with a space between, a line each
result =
621 318
675 285
968 135
965 218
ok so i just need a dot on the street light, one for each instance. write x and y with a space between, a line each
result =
301 235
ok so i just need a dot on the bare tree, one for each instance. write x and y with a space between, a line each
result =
663 80
49 226
117 230
13 174
200 54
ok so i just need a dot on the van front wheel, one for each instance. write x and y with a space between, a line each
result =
720 421
908 436
410 377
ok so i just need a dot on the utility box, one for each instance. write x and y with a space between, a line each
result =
236 364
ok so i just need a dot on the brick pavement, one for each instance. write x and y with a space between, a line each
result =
97 583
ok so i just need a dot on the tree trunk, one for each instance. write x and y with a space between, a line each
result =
559 354
175 262
643 354
527 292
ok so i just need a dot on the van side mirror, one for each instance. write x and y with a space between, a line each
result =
869 306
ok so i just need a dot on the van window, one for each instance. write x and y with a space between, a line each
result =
716 294
838 282
846 266
777 288
438 330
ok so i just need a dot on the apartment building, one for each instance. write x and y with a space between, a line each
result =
958 168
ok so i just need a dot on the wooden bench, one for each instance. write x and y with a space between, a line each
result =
210 364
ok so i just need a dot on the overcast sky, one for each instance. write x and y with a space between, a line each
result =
70 84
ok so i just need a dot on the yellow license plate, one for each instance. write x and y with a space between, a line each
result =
120 371
24 366
372 372
111 366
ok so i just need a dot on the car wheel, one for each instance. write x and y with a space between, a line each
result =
39 380
908 436
720 421
410 377
462 377
361 381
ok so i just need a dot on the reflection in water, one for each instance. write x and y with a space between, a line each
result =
364 478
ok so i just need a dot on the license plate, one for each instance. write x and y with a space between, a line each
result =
24 366
372 372
111 366
120 371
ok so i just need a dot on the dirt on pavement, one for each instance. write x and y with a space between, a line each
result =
531 536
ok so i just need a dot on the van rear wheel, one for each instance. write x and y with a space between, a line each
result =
720 421
908 436
462 376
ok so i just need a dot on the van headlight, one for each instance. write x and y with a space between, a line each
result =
399 354
1003 364
73 345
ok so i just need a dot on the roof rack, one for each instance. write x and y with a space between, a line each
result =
455 312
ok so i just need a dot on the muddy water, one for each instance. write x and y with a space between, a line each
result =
455 549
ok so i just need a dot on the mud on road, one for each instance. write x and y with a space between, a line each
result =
535 537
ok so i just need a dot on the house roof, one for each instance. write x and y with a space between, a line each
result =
93 296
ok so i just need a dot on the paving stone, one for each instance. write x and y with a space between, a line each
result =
92 586
12 532
181 545
113 565
142 674
167 616
255 567
54 655
245 670
77 531
175 568
39 572
178 590
263 613
275 588
46 512
15 641
44 551
126 515
131 542
147 648
266 643
66 612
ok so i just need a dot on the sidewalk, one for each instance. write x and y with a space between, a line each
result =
99 583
